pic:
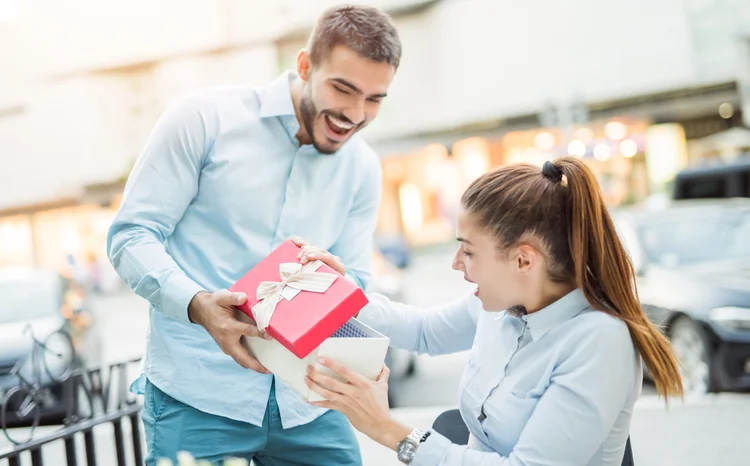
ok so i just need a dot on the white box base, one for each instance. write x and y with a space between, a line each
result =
354 345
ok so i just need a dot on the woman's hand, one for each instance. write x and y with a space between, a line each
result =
363 402
312 253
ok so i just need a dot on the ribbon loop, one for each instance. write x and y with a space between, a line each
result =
294 279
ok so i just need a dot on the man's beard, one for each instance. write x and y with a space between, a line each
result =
309 113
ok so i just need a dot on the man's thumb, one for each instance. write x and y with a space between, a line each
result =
228 298
239 298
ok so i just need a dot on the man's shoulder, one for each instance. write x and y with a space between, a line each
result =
361 153
218 99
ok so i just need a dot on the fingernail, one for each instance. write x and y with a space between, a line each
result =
322 361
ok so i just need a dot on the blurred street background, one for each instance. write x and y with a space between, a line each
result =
653 95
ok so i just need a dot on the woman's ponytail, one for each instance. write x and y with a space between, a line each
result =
604 272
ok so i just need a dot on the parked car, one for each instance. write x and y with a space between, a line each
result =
719 180
387 280
36 304
692 261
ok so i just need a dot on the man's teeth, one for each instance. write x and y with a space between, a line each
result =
338 124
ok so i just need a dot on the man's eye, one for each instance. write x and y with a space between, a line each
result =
340 90
467 253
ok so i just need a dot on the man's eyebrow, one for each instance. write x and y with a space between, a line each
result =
346 83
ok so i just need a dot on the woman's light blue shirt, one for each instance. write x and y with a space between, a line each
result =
556 387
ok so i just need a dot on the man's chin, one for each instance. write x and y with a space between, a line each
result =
329 147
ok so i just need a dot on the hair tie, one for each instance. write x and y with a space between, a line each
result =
551 172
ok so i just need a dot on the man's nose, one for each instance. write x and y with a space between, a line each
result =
356 114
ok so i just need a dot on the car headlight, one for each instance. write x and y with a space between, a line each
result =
731 317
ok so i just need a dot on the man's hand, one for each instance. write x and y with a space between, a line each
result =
312 253
216 313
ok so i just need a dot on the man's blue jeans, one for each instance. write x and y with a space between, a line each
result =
172 426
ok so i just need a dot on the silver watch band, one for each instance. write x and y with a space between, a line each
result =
407 448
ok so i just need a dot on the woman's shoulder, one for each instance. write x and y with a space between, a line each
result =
590 319
601 329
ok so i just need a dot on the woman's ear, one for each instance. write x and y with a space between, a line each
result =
525 258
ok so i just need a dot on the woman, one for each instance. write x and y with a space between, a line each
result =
555 362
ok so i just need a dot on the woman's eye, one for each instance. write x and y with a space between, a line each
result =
340 90
467 253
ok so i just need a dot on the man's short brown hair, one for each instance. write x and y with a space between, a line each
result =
365 29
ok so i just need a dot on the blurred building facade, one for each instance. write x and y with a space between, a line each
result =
633 87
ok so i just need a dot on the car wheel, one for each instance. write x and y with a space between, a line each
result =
691 349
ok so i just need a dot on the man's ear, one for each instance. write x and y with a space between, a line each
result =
304 67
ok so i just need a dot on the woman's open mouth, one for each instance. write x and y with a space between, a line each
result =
476 292
337 129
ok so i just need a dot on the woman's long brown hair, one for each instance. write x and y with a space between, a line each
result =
570 219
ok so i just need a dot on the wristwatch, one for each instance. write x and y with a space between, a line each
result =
407 448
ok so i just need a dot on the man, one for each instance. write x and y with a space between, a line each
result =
226 176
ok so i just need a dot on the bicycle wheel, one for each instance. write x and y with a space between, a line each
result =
20 410
58 355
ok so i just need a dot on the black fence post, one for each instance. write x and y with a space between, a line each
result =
70 451
88 438
119 444
36 457
135 429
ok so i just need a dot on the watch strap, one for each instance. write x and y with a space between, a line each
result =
407 448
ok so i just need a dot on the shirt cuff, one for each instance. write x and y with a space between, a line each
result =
432 451
177 292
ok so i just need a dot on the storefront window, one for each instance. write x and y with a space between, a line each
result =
15 242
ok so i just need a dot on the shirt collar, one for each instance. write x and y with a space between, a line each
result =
276 98
560 311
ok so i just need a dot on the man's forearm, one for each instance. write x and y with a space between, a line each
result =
143 263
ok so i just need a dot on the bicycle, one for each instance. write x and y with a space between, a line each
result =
56 355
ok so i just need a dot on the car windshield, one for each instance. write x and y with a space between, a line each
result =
28 299
718 235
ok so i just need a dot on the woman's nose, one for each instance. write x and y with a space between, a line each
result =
456 264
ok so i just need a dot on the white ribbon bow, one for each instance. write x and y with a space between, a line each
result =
294 278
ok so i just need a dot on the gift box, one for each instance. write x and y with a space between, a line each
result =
354 345
299 306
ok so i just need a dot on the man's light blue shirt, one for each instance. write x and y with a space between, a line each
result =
553 387
223 181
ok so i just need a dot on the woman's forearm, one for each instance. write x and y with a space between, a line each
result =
440 330
391 434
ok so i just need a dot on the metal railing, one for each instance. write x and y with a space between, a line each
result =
33 449
87 398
